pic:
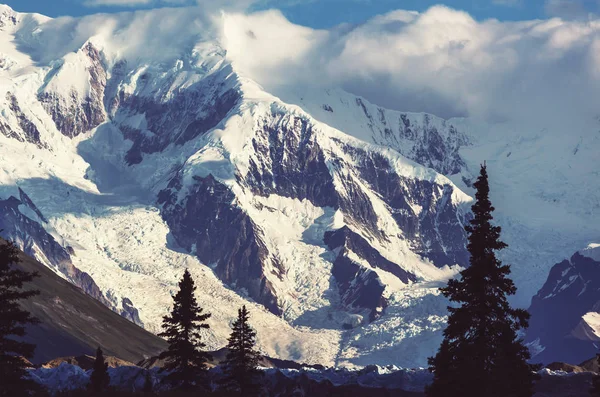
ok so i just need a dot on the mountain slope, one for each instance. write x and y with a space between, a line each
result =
73 323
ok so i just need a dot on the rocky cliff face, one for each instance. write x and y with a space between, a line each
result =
208 224
27 131
360 286
168 117
291 156
81 108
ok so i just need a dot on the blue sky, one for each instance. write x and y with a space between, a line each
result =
327 13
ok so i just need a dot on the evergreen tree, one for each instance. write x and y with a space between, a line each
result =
148 385
13 319
185 359
241 365
595 390
481 354
99 380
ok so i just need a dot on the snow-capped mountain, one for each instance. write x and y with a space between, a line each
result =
132 147
565 322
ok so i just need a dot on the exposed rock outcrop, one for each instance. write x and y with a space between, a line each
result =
168 117
76 112
209 224
28 130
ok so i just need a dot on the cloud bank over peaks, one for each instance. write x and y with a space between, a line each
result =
441 61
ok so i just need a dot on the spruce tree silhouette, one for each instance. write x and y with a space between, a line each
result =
185 360
595 389
148 388
99 380
481 353
241 365
13 319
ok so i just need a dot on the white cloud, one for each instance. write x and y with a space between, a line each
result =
441 61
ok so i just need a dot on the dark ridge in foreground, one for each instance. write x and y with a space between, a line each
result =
75 324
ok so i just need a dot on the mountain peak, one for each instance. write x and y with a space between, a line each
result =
8 16
5 8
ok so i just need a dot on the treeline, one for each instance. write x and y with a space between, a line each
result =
185 367
481 355
186 360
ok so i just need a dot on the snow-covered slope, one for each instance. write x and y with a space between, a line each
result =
133 143
544 184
